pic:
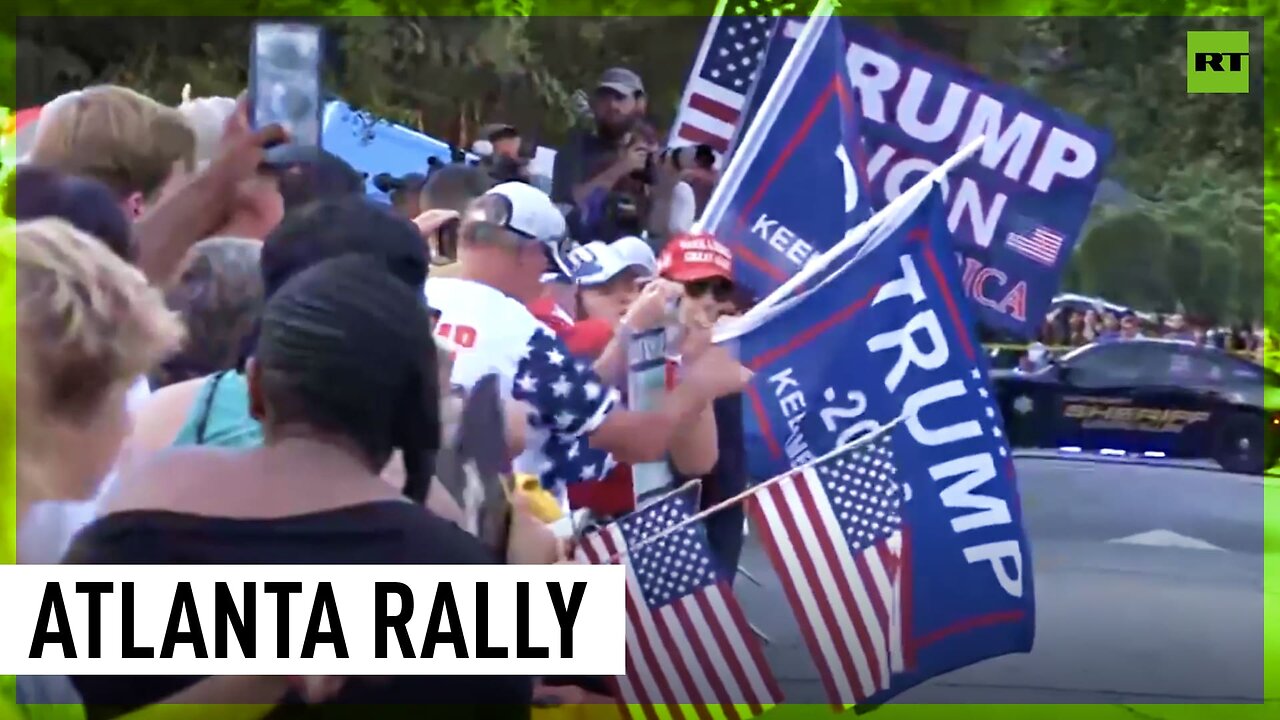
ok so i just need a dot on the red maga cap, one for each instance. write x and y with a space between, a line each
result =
695 256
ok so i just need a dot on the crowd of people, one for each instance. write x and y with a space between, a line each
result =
241 356
1068 327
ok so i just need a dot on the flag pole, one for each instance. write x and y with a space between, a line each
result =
745 152
865 439
863 231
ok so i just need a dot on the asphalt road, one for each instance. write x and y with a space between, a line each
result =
1177 620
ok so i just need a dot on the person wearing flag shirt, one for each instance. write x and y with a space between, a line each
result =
509 239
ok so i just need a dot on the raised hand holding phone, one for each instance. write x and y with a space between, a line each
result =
285 86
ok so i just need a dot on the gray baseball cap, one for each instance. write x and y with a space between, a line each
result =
621 80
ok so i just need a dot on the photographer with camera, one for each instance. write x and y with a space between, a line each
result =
605 172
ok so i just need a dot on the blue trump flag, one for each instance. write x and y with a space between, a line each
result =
884 337
1016 208
796 182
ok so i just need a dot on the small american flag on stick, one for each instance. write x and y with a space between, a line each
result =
732 52
690 652
1040 245
835 536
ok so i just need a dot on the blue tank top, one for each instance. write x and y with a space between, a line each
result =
220 416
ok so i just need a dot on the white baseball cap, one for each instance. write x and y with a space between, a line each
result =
529 213
597 263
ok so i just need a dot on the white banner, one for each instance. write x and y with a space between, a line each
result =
342 620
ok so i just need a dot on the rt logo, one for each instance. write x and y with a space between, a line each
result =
1218 61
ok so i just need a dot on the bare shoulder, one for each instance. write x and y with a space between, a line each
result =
168 479
157 422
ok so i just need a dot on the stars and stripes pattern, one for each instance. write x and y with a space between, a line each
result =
1040 245
690 652
834 533
569 401
732 52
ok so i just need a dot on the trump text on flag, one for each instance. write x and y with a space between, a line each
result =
341 620
896 314
1038 167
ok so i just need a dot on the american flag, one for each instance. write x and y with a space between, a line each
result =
688 641
835 536
1041 245
726 67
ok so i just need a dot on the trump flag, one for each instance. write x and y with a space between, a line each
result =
1015 208
888 336
797 181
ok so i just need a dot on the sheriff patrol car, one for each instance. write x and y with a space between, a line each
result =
1154 397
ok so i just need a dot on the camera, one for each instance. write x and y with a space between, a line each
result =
621 217
649 173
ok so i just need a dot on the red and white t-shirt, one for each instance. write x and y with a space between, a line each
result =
494 333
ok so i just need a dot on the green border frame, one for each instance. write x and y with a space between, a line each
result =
1257 8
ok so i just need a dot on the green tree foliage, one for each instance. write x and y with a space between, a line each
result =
1194 163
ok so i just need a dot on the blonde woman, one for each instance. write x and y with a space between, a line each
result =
87 325
134 145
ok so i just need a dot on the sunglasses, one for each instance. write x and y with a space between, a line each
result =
721 289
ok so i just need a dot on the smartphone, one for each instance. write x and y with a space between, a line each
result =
285 87
447 240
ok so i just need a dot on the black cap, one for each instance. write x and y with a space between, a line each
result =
314 174
411 183
498 131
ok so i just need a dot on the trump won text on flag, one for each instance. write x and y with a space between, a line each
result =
834 534
892 310
1039 167
688 641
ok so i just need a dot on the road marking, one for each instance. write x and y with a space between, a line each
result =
1166 538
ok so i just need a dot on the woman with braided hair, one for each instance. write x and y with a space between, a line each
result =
344 374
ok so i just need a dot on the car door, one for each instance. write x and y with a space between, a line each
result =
1177 406
1101 396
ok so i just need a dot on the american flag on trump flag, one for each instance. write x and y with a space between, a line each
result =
728 62
1034 241
834 533
688 641
1041 245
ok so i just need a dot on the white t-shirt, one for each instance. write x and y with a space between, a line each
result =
495 333
49 527
684 209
